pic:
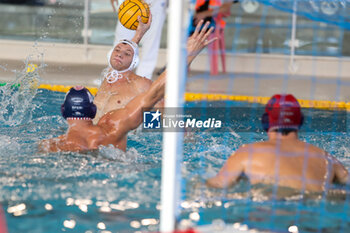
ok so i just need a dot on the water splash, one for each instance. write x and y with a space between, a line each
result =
8 145
112 153
16 97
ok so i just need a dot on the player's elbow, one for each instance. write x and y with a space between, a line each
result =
341 174
342 179
151 99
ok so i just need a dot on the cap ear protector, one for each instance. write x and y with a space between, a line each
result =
265 121
135 62
78 103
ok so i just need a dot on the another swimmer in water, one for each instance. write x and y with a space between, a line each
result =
283 160
121 84
79 110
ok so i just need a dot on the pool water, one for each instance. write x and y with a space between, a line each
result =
112 191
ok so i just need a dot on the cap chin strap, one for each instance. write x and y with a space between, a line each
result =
114 75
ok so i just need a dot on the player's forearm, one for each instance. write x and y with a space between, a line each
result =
156 91
160 104
142 28
138 36
144 102
190 59
48 145
215 182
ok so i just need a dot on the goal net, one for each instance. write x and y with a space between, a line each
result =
270 47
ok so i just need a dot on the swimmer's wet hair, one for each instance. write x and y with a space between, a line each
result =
284 131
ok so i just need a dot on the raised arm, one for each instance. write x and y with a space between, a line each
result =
198 41
142 28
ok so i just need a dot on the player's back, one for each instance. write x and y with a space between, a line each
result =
290 163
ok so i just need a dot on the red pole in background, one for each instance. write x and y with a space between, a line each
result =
3 226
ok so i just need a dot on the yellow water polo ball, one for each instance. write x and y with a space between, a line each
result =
129 10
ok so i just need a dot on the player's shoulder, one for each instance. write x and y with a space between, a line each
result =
314 149
142 82
245 148
255 145
141 79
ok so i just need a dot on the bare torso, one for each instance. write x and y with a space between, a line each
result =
293 164
285 162
112 96
84 136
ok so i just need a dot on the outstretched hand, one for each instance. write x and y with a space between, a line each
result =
142 28
199 40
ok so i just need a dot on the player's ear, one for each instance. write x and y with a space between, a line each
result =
136 61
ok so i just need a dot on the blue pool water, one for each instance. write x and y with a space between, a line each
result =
113 191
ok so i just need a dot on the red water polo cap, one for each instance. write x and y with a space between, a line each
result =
283 112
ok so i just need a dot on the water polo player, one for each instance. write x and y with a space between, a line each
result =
79 110
283 159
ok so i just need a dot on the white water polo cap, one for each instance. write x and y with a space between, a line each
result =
114 75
